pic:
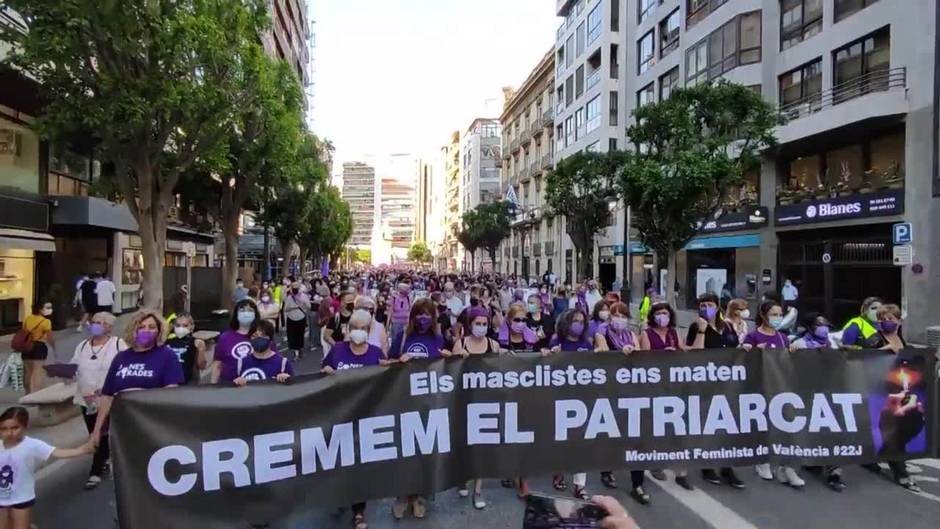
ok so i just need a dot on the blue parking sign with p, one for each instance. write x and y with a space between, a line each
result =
903 233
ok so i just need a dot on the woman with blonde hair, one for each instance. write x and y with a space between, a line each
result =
736 314
147 364
378 335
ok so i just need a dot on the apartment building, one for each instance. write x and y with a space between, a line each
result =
359 192
858 154
528 139
589 74
424 192
398 221
480 157
451 252
290 36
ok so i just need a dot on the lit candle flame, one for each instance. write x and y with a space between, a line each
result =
905 378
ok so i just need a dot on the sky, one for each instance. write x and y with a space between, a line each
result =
398 76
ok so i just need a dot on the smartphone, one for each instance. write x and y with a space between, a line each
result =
550 512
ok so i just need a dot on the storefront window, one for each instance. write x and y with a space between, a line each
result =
887 161
845 168
745 195
132 267
804 172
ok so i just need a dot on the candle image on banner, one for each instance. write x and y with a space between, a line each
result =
899 411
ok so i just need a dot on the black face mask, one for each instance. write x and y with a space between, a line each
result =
350 307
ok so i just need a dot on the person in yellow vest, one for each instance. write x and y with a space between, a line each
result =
860 331
645 305
277 293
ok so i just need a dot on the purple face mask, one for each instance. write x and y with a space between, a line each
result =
708 313
423 322
145 337
518 326
577 328
661 320
889 326
821 332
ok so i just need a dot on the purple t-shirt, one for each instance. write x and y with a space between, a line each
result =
418 346
253 368
231 346
154 368
568 345
596 327
770 341
342 357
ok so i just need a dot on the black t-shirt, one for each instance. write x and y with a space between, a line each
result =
89 298
185 349
547 324
338 326
714 339
381 316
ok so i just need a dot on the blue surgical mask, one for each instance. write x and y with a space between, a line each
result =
776 322
260 343
246 318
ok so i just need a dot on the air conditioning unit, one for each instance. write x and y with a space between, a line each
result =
10 142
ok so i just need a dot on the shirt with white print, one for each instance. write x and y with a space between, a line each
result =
18 470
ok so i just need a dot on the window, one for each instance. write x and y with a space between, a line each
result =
699 9
579 34
802 86
569 90
645 9
569 51
722 49
799 20
614 110
645 56
667 82
579 81
594 19
579 124
645 95
612 144
750 34
669 34
862 66
614 62
696 63
615 15
845 8
569 131
560 61
593 114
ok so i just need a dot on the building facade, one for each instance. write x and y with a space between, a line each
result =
589 78
528 141
858 153
290 36
398 222
424 192
480 165
451 252
359 193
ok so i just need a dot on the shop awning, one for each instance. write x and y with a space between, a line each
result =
730 241
11 239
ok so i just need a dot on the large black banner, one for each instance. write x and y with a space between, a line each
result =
220 457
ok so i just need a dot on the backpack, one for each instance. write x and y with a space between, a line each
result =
22 341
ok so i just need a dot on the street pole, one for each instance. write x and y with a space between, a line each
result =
266 271
627 258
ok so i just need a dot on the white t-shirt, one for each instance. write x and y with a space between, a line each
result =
105 290
18 468
456 307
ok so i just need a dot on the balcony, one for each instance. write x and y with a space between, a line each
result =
592 79
537 249
506 252
547 162
506 151
547 119
525 137
513 146
536 128
549 248
878 81
524 174
515 252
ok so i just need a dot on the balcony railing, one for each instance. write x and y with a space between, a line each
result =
593 79
523 173
871 82
547 163
506 151
547 119
514 146
537 249
536 128
525 137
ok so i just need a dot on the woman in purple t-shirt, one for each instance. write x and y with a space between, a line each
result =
264 363
421 337
353 353
660 333
148 364
767 336
235 343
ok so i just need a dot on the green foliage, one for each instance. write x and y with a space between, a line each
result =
328 225
581 188
696 145
419 253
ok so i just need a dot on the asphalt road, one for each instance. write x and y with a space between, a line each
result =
869 502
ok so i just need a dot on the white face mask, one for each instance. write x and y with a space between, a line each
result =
480 330
603 315
46 312
181 332
358 336
745 314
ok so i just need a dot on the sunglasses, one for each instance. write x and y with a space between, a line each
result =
518 320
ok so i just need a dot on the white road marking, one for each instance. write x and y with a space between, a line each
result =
712 511
929 479
927 495
932 463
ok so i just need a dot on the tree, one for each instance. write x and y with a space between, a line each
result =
328 224
582 188
467 237
491 226
696 145
154 83
419 253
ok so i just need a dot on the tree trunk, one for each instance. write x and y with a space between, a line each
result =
492 252
151 215
671 279
585 263
230 267
473 264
